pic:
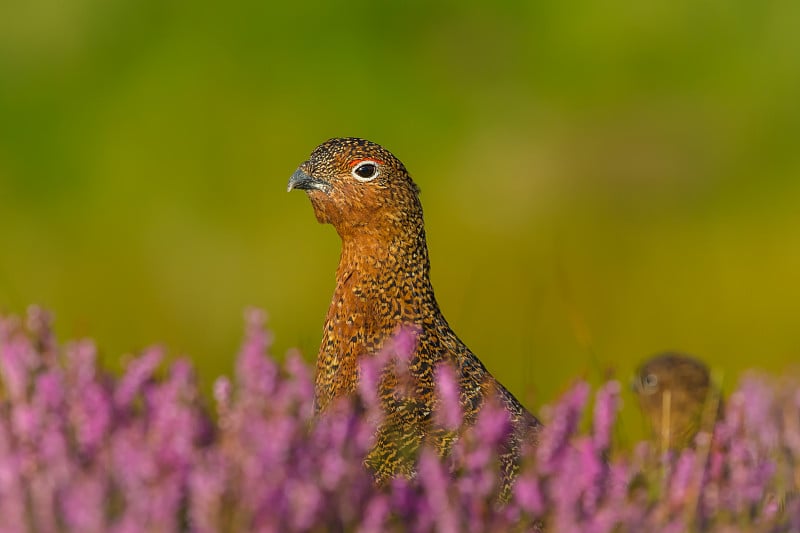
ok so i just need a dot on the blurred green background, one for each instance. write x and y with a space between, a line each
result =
601 180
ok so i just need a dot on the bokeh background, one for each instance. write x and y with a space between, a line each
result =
601 180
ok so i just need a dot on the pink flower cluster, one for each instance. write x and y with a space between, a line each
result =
84 450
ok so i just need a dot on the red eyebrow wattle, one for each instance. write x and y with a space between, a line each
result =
357 161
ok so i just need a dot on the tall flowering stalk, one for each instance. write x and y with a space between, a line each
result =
84 450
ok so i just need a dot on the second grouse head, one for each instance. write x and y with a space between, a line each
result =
358 186
674 392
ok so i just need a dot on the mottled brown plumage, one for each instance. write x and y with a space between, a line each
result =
677 397
383 284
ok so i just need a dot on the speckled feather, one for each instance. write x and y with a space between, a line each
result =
382 285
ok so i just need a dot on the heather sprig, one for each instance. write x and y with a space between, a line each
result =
84 450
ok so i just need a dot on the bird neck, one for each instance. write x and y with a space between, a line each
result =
384 257
382 283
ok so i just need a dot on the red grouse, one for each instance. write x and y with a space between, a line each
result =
677 396
383 285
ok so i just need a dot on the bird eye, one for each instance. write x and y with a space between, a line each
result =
650 381
365 171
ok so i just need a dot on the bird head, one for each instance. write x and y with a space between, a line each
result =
671 371
673 391
358 186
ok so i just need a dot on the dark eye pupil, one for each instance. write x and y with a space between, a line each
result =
366 170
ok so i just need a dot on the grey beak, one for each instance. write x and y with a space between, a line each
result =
301 180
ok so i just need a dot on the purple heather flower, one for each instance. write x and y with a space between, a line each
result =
25 422
81 450
400 349
605 412
12 483
563 423
256 373
370 373
757 410
305 502
208 485
302 383
49 390
528 494
222 396
140 370
436 481
81 361
91 416
682 477
493 424
17 361
404 342
593 475
83 502
42 494
376 514
448 410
